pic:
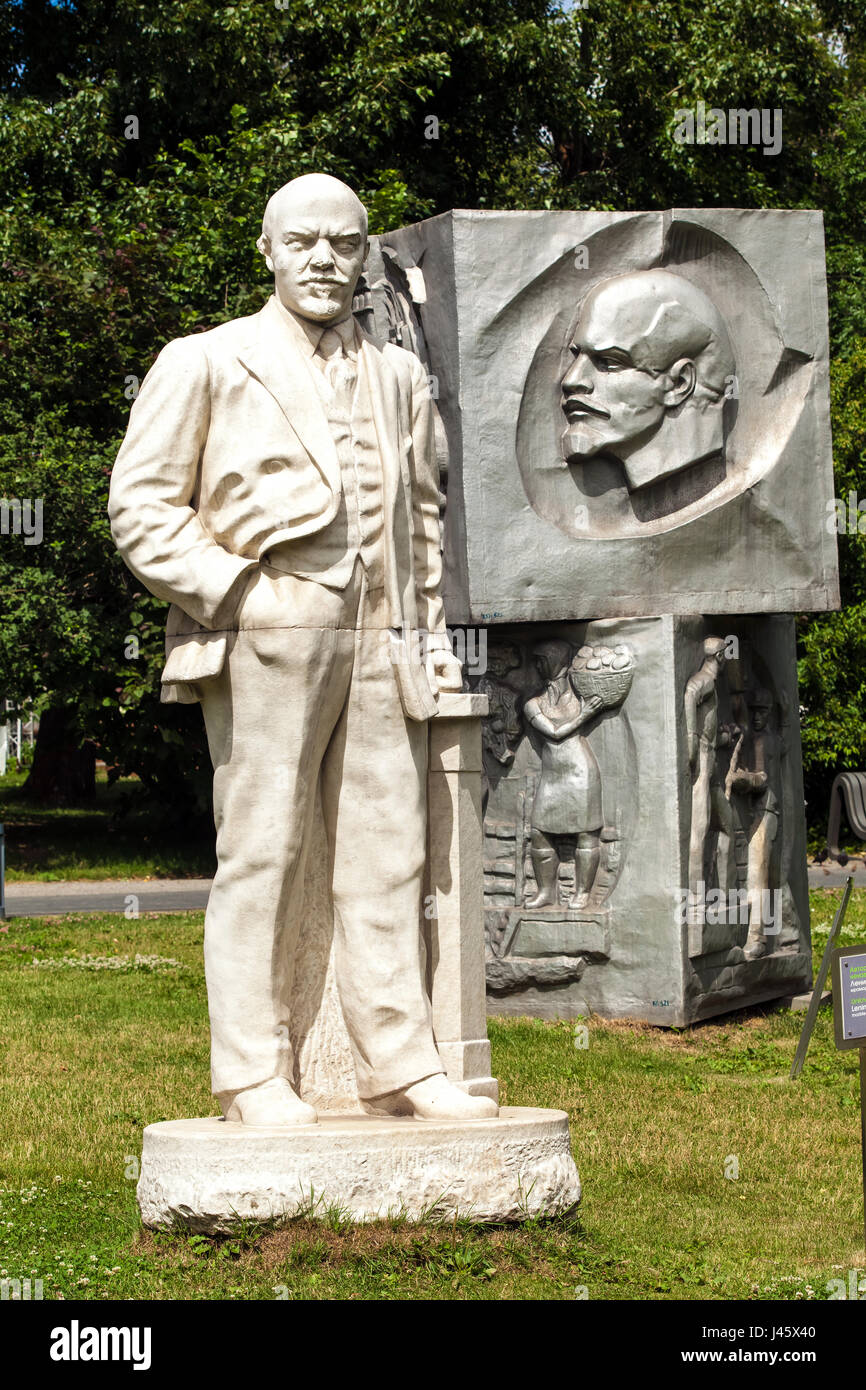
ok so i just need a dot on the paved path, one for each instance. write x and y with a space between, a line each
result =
191 894
832 875
106 895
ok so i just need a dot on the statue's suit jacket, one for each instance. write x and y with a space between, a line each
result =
229 453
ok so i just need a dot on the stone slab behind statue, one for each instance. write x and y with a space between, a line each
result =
544 333
724 510
639 947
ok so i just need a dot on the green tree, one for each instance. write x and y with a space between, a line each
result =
138 144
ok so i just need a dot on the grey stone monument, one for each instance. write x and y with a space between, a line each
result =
636 417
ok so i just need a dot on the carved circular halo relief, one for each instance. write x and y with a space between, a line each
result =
657 392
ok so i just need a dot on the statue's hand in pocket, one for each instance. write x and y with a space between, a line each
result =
274 598
256 608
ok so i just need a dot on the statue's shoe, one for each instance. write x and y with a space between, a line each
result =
274 1103
542 900
434 1098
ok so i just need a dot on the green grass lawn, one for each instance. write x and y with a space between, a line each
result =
118 835
96 1046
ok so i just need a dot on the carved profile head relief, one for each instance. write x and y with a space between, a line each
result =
714 653
552 658
652 365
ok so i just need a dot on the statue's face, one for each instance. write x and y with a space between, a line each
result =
316 249
611 393
760 716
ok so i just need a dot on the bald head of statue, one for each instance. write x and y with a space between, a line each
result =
314 239
652 367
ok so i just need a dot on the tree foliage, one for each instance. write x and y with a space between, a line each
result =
138 145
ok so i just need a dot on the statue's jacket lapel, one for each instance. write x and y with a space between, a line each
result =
270 477
287 374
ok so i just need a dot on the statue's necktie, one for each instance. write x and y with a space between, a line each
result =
339 369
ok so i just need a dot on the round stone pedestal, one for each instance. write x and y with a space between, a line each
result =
208 1174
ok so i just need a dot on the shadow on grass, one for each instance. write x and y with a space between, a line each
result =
121 833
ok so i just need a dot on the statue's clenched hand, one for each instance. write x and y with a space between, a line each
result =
444 670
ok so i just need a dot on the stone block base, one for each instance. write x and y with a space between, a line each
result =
799 1003
700 859
207 1175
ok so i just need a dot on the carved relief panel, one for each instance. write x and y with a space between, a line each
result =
644 849
559 798
744 810
639 401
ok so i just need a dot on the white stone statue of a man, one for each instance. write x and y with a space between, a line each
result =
278 484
